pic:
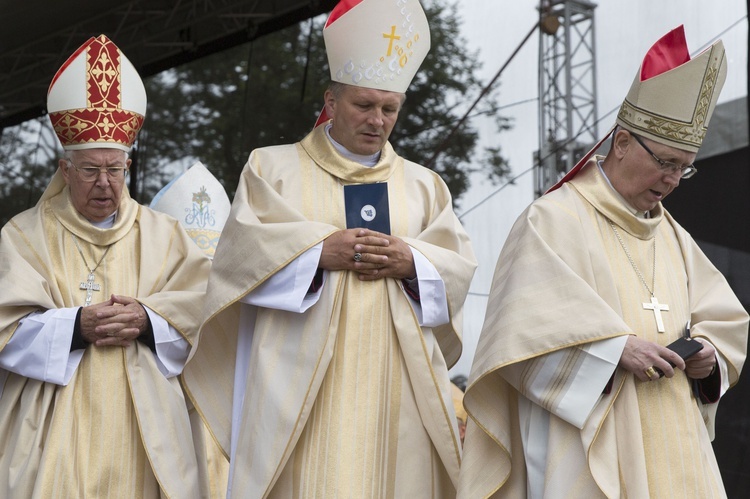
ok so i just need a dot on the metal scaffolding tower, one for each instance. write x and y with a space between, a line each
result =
567 88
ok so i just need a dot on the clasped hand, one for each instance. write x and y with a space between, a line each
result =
638 355
382 255
115 322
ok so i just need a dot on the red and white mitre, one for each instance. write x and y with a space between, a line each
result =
97 99
376 44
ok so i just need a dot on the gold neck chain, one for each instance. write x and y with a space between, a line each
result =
654 305
632 262
75 240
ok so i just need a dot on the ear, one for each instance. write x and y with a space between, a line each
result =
330 103
64 168
621 142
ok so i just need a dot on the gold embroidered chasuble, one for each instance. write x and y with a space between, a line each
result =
119 428
350 398
563 281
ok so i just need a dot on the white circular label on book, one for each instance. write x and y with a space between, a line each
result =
368 213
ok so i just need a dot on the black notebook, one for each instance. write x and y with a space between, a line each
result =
367 207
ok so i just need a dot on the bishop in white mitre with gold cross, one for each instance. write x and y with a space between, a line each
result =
573 391
100 307
323 362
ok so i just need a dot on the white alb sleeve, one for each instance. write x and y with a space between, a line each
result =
288 288
40 347
432 307
584 386
171 348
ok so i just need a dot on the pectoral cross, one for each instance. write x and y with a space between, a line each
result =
657 308
90 286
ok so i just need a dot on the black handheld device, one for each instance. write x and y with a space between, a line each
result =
685 348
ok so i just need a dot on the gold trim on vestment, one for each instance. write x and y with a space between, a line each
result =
436 385
298 418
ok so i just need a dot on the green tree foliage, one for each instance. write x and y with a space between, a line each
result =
28 154
220 108
269 91
446 85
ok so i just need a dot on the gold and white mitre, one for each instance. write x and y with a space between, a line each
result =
672 97
199 202
376 44
96 98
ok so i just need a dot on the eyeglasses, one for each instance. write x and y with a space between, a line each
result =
667 166
91 173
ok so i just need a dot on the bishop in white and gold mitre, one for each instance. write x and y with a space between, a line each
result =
672 97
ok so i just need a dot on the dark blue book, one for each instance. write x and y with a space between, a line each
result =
367 207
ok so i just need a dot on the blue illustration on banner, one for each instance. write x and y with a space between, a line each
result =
200 214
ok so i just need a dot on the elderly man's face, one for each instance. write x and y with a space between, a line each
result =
637 177
97 198
363 118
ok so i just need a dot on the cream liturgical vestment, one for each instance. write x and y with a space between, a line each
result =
563 288
350 398
119 428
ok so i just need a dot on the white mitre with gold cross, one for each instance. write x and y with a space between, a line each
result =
376 44
199 202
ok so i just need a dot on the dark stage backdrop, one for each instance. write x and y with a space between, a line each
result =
714 206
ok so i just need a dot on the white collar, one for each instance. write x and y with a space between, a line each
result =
107 223
369 160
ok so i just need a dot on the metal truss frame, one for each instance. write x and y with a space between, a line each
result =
567 88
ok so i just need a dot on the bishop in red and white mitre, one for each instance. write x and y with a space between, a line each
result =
99 311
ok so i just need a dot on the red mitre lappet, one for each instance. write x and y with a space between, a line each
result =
97 99
672 97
